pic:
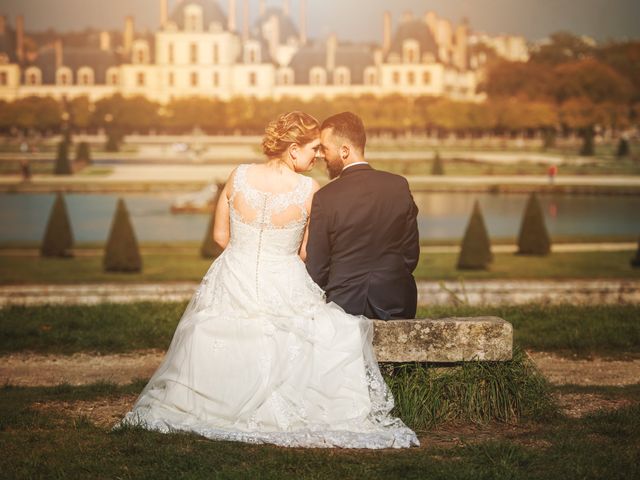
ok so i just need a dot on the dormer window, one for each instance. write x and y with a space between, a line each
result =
410 51
170 54
112 77
4 79
85 76
252 53
193 18
33 76
64 76
317 76
411 78
253 80
285 77
193 53
370 76
342 76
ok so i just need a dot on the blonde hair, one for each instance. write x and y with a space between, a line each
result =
292 127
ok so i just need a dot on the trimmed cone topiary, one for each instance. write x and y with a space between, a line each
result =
475 252
635 261
121 253
83 153
533 238
58 237
63 164
209 248
437 168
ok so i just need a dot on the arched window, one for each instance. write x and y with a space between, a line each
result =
370 76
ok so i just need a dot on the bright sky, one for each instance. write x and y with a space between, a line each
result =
361 20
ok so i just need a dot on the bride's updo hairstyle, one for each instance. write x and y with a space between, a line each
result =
293 127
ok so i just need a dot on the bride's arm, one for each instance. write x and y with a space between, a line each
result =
303 247
221 226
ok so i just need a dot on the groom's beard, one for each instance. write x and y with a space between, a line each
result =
334 169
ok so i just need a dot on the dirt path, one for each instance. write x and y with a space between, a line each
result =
23 369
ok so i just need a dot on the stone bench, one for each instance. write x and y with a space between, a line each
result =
444 340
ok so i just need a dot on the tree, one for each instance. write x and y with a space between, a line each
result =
437 168
83 153
58 237
475 252
635 261
533 238
63 164
563 47
121 252
209 248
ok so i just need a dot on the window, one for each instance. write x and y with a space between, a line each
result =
411 78
216 79
63 76
3 78
342 75
170 53
252 56
171 80
193 53
317 76
396 78
32 79
194 79
141 58
33 76
85 79
141 79
252 79
112 78
426 78
216 53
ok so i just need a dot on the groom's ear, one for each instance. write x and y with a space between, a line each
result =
344 152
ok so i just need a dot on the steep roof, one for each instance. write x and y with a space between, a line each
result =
415 30
74 58
355 57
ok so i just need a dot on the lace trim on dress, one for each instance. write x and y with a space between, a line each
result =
269 203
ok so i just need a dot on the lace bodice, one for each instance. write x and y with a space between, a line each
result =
269 222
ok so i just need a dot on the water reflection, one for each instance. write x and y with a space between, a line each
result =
442 215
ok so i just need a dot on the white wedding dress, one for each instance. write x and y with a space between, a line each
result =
259 356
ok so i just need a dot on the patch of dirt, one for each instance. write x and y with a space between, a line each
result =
30 370
578 405
560 370
103 412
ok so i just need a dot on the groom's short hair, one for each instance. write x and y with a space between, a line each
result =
349 126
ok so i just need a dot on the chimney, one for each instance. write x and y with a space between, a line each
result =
386 32
274 39
231 26
128 34
58 53
303 22
105 41
332 46
20 38
164 12
3 24
261 8
286 7
245 20
461 46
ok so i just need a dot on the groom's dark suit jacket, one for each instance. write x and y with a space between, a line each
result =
363 243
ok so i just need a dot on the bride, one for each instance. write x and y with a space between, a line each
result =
258 355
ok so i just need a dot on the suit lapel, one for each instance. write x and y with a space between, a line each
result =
355 168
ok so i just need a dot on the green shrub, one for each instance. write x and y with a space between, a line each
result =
121 252
83 152
475 252
437 168
63 164
533 238
58 237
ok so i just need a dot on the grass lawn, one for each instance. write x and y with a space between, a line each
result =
44 443
609 330
182 266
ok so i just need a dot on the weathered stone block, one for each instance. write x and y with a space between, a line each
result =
443 340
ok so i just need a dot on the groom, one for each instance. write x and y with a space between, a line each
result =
363 240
